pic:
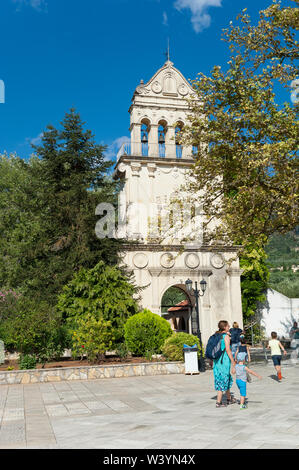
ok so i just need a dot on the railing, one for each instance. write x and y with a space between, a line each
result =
125 149
154 150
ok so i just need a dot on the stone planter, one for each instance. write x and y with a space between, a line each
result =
90 372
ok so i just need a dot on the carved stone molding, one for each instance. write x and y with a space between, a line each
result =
217 261
151 168
167 260
122 168
184 272
136 167
140 260
192 260
156 87
182 89
155 271
234 271
175 172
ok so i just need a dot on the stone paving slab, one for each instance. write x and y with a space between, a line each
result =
151 412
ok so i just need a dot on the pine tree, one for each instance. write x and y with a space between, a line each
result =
47 211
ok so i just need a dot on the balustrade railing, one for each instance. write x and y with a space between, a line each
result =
154 150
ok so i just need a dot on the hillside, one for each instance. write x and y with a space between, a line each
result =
283 261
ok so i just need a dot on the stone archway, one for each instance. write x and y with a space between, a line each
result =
177 307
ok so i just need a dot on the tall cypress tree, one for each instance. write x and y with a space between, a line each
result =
70 178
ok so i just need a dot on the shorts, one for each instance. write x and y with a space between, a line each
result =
276 359
242 387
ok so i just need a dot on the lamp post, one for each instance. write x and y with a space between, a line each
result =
198 293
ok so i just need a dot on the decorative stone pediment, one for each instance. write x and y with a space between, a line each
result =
167 82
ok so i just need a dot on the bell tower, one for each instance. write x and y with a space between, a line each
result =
152 167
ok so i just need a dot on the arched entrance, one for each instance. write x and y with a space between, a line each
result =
176 307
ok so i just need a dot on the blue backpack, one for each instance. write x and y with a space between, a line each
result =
213 349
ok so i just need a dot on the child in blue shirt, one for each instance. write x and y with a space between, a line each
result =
241 372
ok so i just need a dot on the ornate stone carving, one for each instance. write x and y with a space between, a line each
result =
156 87
217 261
182 89
151 168
234 271
141 90
169 84
175 172
136 167
192 260
167 260
122 168
140 260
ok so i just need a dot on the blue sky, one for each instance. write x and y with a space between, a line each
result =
91 54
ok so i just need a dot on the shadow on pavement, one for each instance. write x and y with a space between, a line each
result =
273 377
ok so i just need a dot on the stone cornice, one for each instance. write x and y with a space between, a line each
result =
162 248
204 271
234 271
179 162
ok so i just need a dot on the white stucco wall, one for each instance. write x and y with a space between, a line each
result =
281 314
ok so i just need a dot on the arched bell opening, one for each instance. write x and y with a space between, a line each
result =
178 145
162 130
145 129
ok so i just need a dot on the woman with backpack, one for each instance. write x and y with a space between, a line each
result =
221 367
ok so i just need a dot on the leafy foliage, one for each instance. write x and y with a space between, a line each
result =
254 279
34 328
92 336
247 162
283 260
47 211
146 332
172 297
173 347
27 361
8 300
103 291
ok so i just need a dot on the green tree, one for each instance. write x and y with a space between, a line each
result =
172 297
173 346
92 336
254 279
103 291
47 211
247 162
36 329
246 167
146 332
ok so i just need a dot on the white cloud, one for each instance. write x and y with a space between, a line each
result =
200 19
113 148
38 5
35 140
165 18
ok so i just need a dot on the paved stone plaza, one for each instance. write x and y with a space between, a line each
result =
174 411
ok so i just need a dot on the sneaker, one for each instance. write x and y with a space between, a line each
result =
232 401
243 407
220 405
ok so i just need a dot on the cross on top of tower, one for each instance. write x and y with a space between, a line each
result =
167 53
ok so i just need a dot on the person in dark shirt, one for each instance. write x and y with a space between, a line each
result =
243 350
235 333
